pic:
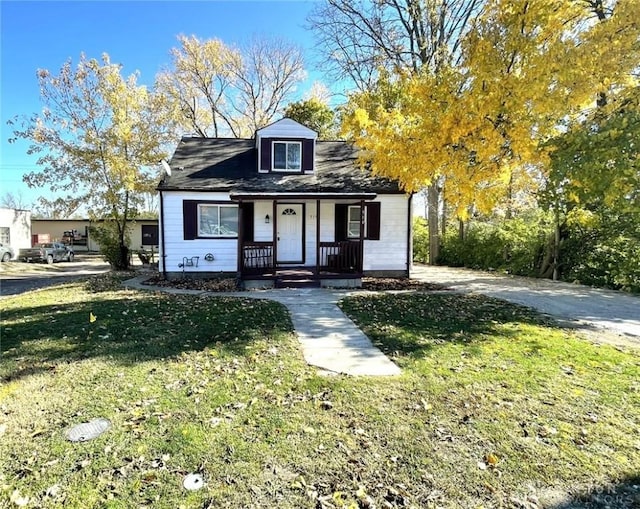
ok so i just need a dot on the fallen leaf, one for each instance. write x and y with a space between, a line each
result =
37 432
492 460
53 491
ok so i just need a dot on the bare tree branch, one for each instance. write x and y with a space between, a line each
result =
356 38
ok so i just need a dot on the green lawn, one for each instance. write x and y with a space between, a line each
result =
494 406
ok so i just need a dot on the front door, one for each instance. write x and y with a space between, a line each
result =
289 224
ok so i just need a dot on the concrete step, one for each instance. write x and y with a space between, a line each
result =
294 282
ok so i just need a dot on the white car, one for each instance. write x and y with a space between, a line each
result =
6 253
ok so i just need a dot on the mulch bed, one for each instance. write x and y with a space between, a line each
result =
231 284
378 284
221 284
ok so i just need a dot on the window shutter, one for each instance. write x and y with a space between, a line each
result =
307 155
247 221
373 220
341 222
190 219
265 154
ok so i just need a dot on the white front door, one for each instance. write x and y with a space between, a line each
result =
289 224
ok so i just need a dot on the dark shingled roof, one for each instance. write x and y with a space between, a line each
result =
217 164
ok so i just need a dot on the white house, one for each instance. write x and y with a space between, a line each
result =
280 207
15 228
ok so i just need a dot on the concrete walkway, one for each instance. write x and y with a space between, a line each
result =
588 308
329 339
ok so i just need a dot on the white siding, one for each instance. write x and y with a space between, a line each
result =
176 249
388 253
262 232
19 224
286 128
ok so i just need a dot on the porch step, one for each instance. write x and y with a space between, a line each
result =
296 282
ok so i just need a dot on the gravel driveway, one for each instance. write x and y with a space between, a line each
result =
589 308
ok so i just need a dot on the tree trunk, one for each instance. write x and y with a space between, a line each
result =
556 250
434 235
546 267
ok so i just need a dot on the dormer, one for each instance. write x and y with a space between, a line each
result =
286 147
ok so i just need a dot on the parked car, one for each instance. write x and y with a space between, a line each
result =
6 253
49 252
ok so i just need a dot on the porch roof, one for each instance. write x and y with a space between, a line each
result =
218 164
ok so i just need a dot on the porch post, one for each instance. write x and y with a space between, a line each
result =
361 247
240 237
274 235
317 237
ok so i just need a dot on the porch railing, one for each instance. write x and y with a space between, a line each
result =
343 257
340 257
257 257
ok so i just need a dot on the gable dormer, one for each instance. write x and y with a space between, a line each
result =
286 147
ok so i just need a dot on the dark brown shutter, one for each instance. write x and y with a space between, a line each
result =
190 219
265 154
247 221
307 155
341 222
373 220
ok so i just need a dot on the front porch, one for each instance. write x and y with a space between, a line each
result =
288 241
337 264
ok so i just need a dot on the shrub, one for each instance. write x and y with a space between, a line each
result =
602 252
420 240
513 245
113 251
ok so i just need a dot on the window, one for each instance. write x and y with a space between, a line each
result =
353 221
347 221
5 235
287 155
217 220
149 234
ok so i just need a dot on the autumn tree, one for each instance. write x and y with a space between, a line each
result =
315 115
369 43
597 161
97 138
525 69
197 83
212 89
57 208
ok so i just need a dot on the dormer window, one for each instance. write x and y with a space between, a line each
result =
287 156
286 147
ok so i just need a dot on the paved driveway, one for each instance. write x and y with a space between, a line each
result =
18 277
606 310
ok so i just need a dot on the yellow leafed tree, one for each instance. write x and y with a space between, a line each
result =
98 138
526 69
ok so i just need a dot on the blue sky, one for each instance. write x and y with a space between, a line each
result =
136 34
